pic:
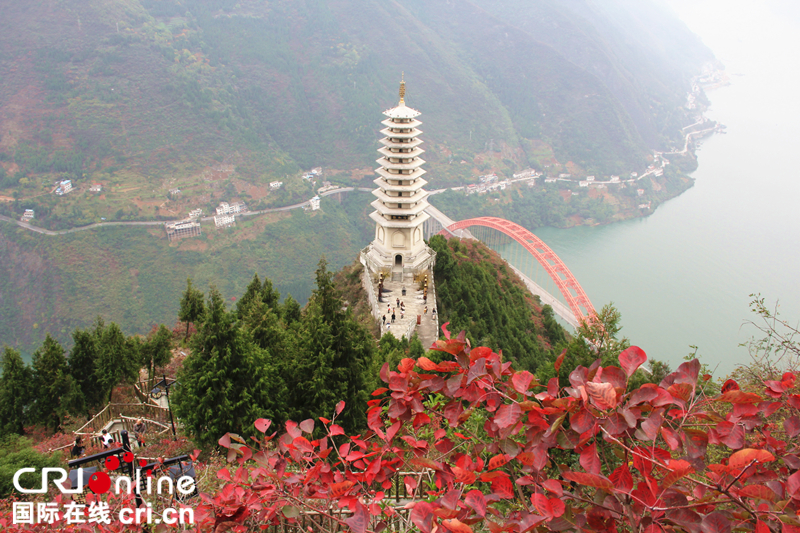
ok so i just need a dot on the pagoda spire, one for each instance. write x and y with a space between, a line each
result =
402 89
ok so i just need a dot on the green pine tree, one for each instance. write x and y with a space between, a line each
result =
52 384
156 351
228 381
15 389
82 364
335 359
117 359
191 305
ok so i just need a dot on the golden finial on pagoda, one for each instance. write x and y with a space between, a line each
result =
402 89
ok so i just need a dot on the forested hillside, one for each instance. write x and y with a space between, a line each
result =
478 294
156 88
134 276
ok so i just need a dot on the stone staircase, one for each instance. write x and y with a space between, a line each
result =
414 305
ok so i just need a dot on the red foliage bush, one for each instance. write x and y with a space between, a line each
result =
479 446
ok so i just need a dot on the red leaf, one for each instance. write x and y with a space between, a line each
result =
262 424
358 522
411 484
464 476
622 478
507 415
336 430
689 369
553 486
737 396
377 392
405 365
426 364
671 438
340 407
444 330
307 425
560 360
476 502
742 458
793 485
761 527
225 440
590 480
336 490
715 522
497 461
603 394
590 461
456 526
302 443
678 469
582 421
759 492
422 512
729 386
528 522
651 425
502 487
521 381
631 359
792 426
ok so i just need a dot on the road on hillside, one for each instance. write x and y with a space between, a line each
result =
43 231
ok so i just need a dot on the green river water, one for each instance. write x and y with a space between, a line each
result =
682 277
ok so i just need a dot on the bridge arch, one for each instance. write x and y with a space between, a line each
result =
576 297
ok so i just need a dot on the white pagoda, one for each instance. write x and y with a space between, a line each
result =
401 202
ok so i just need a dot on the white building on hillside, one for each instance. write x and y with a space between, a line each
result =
223 221
226 209
64 187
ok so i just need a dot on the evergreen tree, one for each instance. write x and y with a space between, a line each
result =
265 327
269 295
15 387
227 381
82 364
117 360
52 384
191 305
156 351
251 294
291 310
335 359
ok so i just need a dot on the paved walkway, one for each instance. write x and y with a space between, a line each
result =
414 305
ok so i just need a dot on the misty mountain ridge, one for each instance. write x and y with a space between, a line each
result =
164 86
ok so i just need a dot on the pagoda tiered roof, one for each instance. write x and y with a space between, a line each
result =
401 111
415 152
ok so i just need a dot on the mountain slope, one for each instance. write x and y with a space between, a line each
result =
164 87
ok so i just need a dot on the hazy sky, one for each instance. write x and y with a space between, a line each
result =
758 39
746 33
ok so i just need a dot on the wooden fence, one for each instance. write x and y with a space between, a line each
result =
125 414
331 521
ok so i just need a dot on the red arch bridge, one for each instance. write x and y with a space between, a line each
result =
578 306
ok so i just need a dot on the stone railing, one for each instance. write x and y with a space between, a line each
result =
432 303
366 282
